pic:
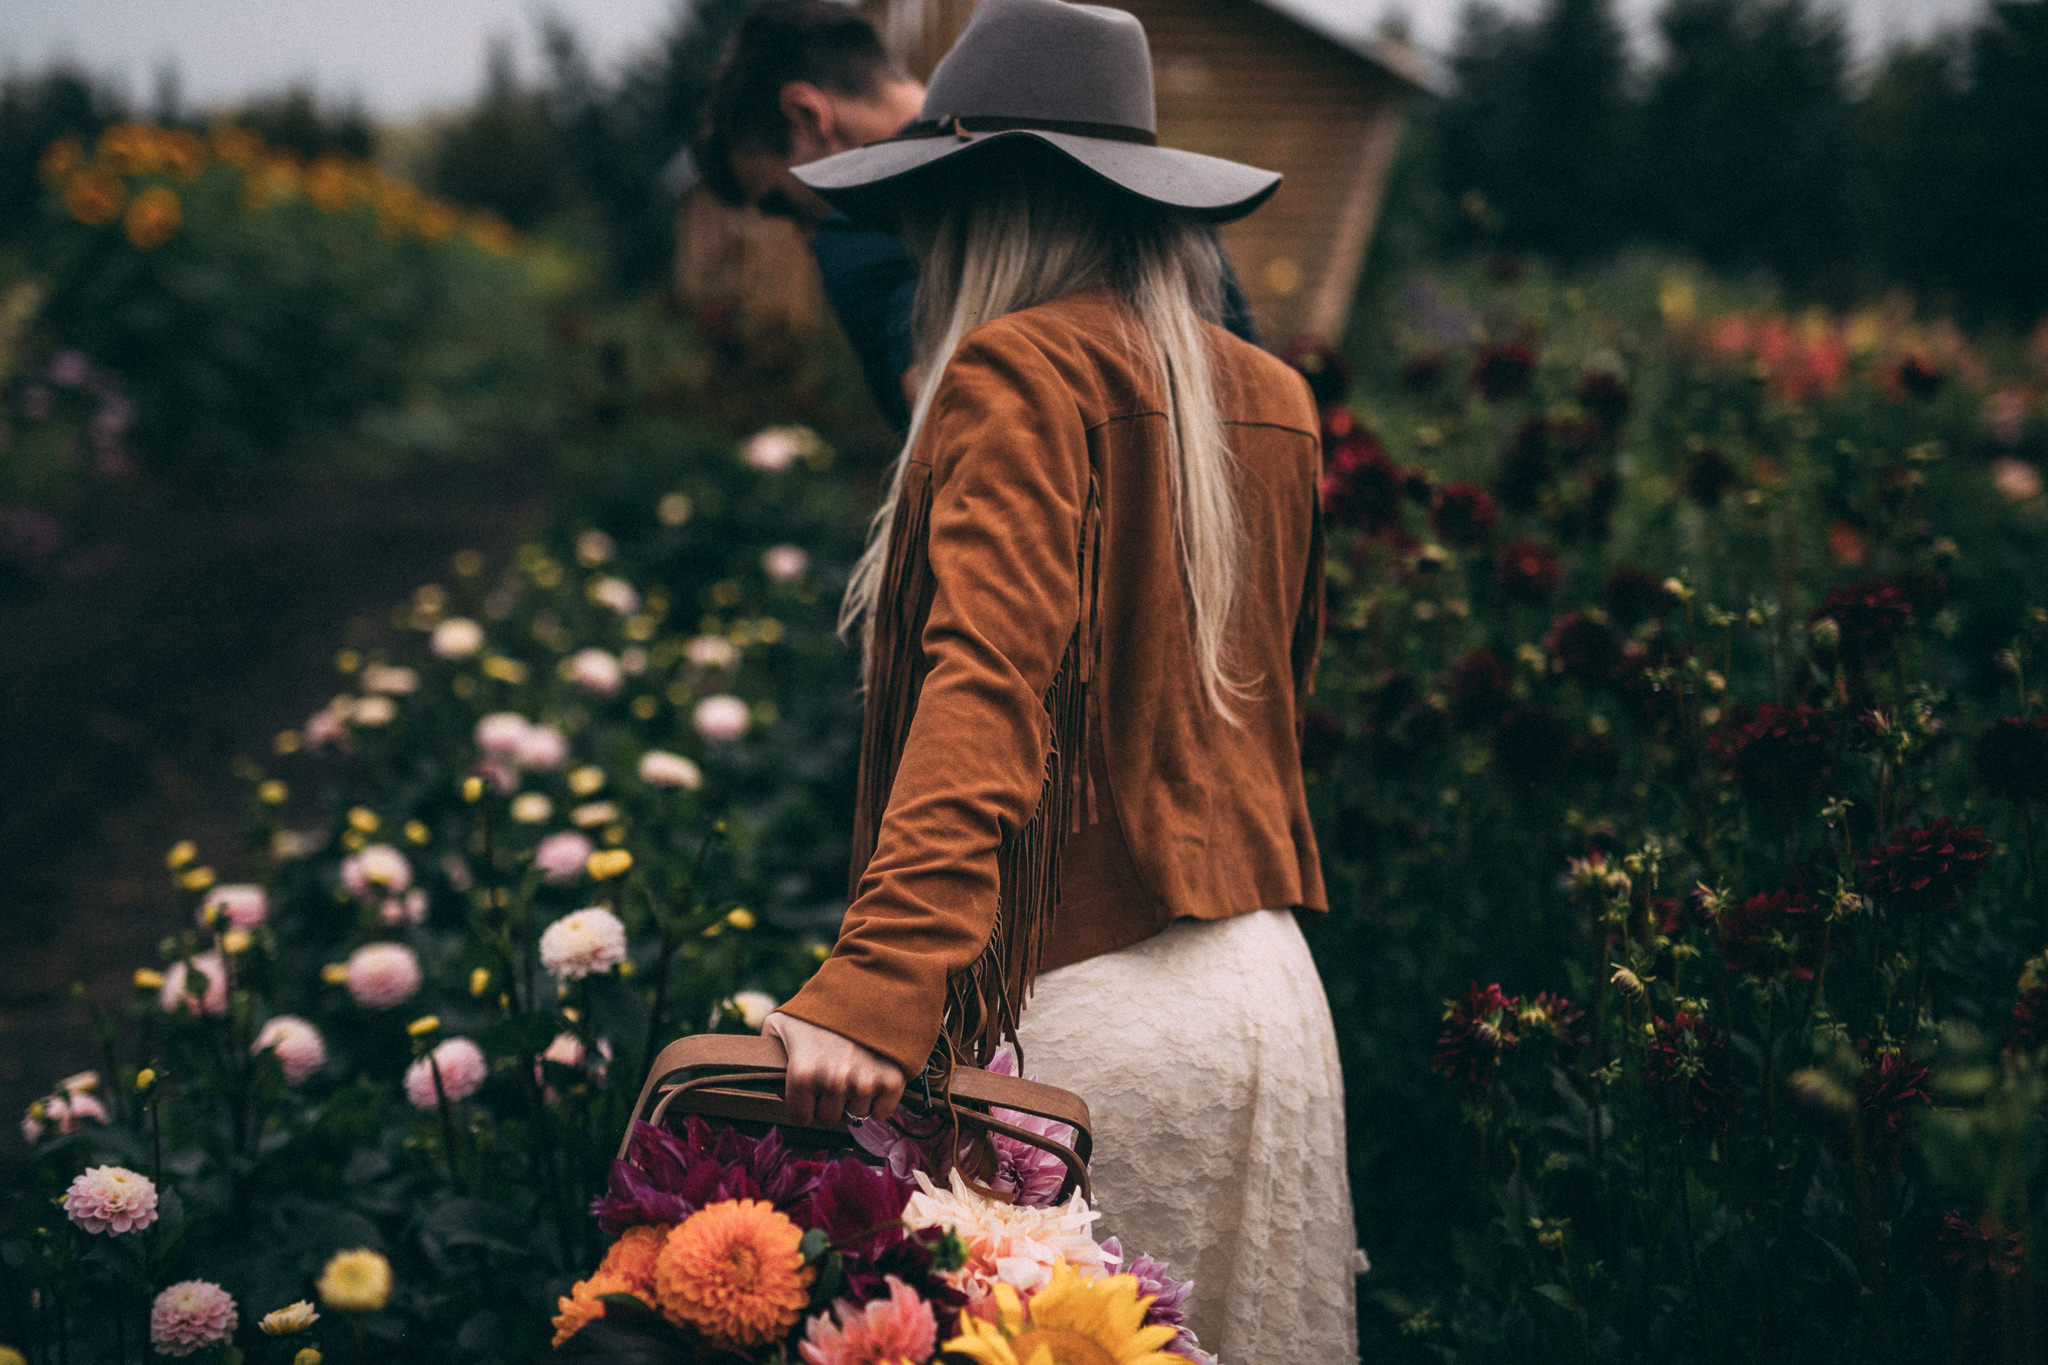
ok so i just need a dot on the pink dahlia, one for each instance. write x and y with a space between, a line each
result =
542 748
720 718
660 768
561 857
713 651
299 1047
111 1199
381 975
190 1316
379 868
785 563
241 906
585 943
462 1067
882 1332
596 672
499 734
179 993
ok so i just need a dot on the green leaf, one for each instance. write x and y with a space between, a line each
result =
477 1223
1557 1294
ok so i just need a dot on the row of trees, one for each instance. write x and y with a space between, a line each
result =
1751 144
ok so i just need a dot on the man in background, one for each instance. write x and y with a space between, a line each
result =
800 81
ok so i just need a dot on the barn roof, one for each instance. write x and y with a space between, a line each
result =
1341 22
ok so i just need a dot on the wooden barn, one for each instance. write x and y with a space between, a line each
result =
1277 83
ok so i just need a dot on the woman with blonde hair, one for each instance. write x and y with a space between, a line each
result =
1089 611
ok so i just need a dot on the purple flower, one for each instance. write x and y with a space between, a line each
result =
69 369
667 1176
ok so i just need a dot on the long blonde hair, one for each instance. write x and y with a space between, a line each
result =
1038 232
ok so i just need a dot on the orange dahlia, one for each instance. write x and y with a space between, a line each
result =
734 1271
632 1258
585 1303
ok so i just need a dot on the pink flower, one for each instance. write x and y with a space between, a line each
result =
328 725
785 563
175 994
882 1332
660 768
720 718
66 1112
568 1050
542 748
190 1316
462 1068
588 942
713 651
381 975
300 1049
2015 480
377 868
561 857
596 672
499 734
390 680
774 449
111 1199
411 908
241 906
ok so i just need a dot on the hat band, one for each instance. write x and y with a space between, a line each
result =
966 126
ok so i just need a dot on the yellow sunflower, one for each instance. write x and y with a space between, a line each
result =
734 1271
1069 1322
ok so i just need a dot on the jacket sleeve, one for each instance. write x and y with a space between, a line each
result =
1009 481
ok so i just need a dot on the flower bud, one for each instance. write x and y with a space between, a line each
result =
472 789
235 942
607 863
148 980
145 1080
1826 632
195 879
479 981
739 917
1628 983
335 974
425 1024
273 793
416 833
181 853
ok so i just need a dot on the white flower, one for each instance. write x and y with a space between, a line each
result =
593 813
720 718
501 733
615 593
753 1007
582 944
375 711
596 672
660 768
390 680
713 651
532 808
785 563
457 638
594 547
1021 1242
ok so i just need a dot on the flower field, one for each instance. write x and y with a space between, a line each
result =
1677 753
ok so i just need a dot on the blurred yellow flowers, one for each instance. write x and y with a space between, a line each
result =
357 1281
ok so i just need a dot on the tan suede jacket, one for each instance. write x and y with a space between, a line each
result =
1033 609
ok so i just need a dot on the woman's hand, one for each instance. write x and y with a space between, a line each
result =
832 1078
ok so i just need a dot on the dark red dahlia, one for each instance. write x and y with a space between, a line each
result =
1362 484
1709 476
1605 395
1327 372
1586 647
1926 871
1918 376
1480 686
1478 1032
1871 617
1555 1015
1634 595
1527 570
1503 371
1463 515
1778 754
1422 371
1526 467
1769 932
2012 758
1891 1086
1689 1054
1982 1245
2029 1022
1531 744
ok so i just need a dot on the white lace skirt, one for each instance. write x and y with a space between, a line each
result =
1209 1065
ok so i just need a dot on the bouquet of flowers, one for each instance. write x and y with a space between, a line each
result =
735 1248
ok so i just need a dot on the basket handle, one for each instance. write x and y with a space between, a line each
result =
741 1077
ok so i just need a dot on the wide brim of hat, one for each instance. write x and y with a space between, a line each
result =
871 183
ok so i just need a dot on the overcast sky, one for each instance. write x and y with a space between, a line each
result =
402 57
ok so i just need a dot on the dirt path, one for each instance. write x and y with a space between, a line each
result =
124 699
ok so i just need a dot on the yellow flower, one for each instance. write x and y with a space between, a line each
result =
1069 1322
273 793
145 1079
148 979
293 1317
307 1356
416 833
237 146
10 1356
183 153
153 218
181 854
587 780
130 149
734 1271
235 942
479 981
739 917
335 973
423 1025
364 819
357 1281
607 863
195 878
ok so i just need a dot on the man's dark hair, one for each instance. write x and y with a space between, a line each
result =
831 46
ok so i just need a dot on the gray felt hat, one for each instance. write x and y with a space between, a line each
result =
1076 78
